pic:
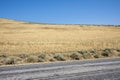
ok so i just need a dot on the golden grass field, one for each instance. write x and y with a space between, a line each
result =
18 37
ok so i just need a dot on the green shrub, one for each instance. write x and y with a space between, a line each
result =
87 56
96 56
92 51
52 60
106 52
75 56
40 60
42 56
60 57
32 59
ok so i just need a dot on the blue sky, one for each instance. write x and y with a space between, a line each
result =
62 11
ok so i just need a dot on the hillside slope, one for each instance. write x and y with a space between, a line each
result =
23 37
25 42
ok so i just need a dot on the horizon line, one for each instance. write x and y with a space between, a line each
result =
32 22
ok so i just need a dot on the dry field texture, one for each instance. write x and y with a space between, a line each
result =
17 37
21 37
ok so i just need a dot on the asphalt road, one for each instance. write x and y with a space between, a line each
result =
102 69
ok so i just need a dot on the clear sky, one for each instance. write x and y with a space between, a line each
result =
62 11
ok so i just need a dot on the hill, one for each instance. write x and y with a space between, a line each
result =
24 37
27 42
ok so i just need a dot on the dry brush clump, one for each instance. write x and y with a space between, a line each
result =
12 60
41 57
106 52
76 56
32 59
60 57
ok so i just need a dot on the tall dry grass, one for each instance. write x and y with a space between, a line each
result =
20 37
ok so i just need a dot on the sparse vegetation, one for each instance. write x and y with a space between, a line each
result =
32 42
75 56
10 60
40 60
23 55
60 57
92 51
82 52
106 52
2 55
96 56
87 56
42 57
32 59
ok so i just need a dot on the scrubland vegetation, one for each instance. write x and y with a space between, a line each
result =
22 42
45 57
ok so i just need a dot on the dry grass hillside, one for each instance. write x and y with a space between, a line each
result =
25 42
18 37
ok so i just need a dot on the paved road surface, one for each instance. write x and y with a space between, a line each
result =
102 69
